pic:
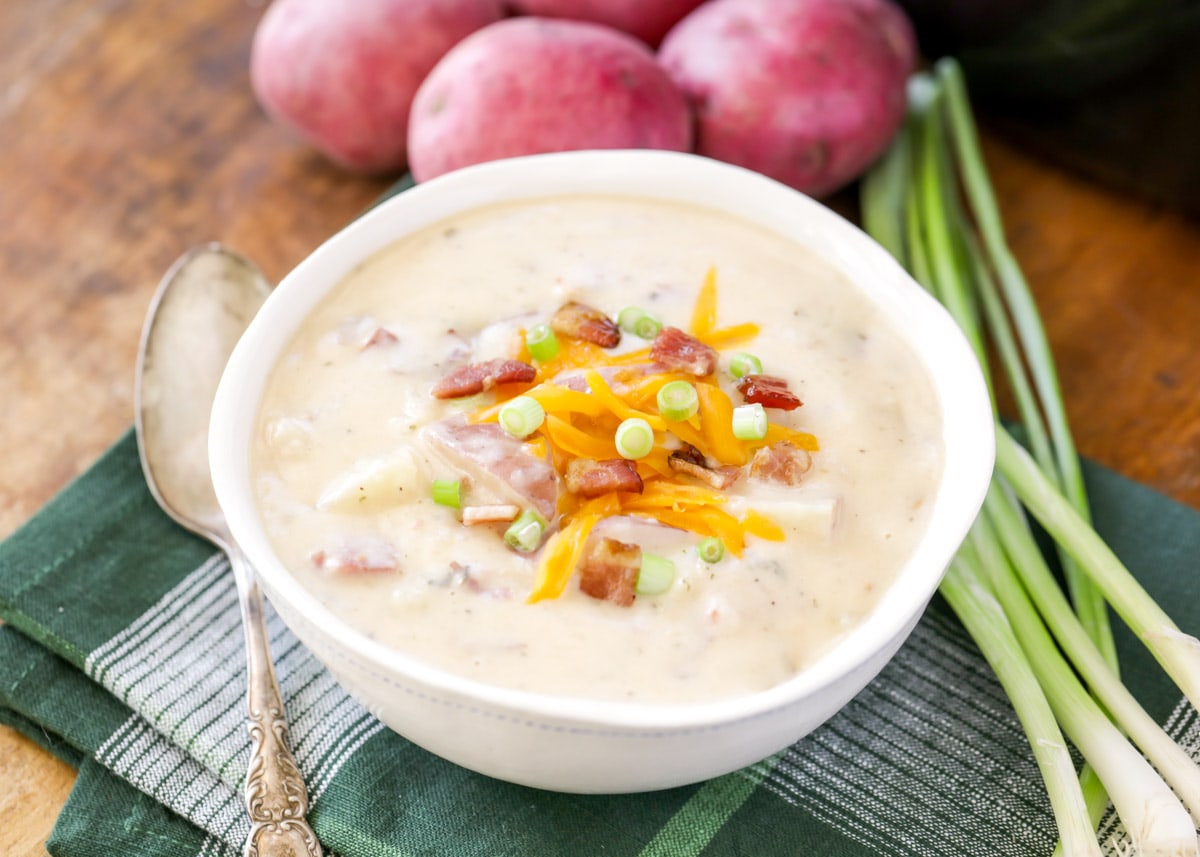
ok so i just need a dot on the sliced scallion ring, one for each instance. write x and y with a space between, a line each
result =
743 364
750 422
711 550
541 342
678 401
656 575
634 438
640 323
521 416
525 533
447 492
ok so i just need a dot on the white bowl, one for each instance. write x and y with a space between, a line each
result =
569 744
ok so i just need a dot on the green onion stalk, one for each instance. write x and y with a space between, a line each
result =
1089 603
678 401
930 203
634 438
984 618
542 343
640 323
655 575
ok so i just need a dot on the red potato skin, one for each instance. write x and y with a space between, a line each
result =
648 20
342 76
529 85
808 92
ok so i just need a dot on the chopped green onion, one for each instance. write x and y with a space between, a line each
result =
541 342
471 403
656 574
678 401
750 422
743 364
448 492
634 438
648 327
640 323
711 549
521 416
525 533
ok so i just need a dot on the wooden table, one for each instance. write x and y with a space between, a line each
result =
128 133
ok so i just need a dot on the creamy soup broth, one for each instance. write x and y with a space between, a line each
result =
341 468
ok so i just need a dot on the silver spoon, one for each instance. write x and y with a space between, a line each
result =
199 312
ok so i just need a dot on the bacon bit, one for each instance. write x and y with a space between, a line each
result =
690 454
496 513
583 322
675 349
589 478
609 571
781 462
692 462
357 559
380 336
769 391
477 377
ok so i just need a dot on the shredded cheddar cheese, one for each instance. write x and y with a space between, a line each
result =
757 524
576 442
618 406
727 337
704 315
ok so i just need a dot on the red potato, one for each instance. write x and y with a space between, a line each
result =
648 20
342 75
529 85
809 92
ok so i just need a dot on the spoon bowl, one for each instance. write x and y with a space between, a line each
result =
203 305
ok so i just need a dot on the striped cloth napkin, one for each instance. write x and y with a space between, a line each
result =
123 654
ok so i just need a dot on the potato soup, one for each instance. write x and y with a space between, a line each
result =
598 447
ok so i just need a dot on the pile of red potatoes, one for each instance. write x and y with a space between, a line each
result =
809 92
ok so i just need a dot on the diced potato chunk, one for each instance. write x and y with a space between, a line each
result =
802 517
500 339
375 483
290 437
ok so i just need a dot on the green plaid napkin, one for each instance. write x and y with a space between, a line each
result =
123 655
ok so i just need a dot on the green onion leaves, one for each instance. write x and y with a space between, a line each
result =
525 533
640 323
656 575
743 364
750 422
634 438
541 342
711 550
521 416
447 492
678 401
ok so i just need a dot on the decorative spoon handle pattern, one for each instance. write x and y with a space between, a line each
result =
276 797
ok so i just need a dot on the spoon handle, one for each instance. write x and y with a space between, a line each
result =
276 797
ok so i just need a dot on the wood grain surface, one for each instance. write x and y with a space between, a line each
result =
128 133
